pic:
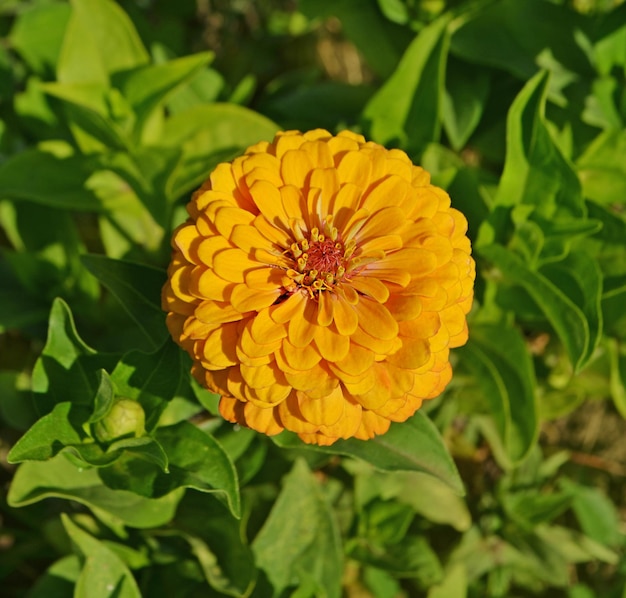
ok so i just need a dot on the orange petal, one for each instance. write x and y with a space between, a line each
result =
325 411
375 319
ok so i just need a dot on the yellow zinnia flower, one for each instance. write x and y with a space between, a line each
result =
319 285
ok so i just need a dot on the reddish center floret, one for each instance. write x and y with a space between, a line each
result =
325 256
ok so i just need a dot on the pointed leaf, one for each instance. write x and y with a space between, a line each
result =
60 478
196 460
406 110
414 445
103 575
100 40
567 319
138 289
301 528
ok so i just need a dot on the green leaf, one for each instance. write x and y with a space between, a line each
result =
578 276
499 360
535 171
59 579
567 319
406 110
413 557
149 87
60 182
196 460
48 436
464 101
218 542
60 478
207 135
301 528
602 170
150 378
103 573
138 289
497 35
67 369
595 512
453 585
414 445
100 40
38 33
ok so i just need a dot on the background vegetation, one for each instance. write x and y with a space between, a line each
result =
514 482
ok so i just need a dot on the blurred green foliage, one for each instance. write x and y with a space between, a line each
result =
512 484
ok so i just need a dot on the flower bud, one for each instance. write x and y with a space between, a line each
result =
125 419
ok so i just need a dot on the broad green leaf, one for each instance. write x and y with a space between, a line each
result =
301 528
48 436
499 360
207 135
60 182
67 369
406 110
203 88
148 87
613 223
610 41
60 478
464 101
100 40
150 378
596 513
103 573
16 407
425 494
453 585
218 541
413 557
414 445
529 508
138 289
602 169
58 580
38 33
498 35
89 114
573 547
567 319
196 460
578 276
385 521
535 171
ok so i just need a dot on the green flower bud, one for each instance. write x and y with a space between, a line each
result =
125 419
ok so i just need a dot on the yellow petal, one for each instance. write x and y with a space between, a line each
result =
390 191
332 345
216 312
295 168
345 316
219 347
264 420
413 354
302 326
209 285
209 247
319 153
286 141
227 218
232 264
381 223
357 361
264 329
290 308
325 411
375 319
325 310
246 299
370 286
300 358
371 425
268 199
356 168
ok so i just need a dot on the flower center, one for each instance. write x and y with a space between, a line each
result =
321 260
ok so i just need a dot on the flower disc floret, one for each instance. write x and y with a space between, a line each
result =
319 285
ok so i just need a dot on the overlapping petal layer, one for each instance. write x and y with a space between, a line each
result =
319 284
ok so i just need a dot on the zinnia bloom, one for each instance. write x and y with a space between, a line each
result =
319 285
